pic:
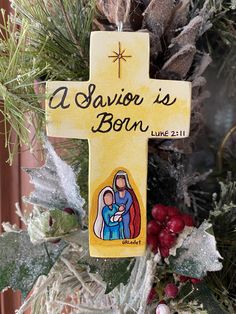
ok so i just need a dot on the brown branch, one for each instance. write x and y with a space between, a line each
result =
222 146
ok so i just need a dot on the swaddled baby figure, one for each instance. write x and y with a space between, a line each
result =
118 217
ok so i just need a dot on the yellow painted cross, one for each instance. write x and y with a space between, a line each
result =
118 110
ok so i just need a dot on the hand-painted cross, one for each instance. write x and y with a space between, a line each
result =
118 110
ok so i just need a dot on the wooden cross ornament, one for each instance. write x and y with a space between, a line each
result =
118 110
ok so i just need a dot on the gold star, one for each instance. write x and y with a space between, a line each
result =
118 56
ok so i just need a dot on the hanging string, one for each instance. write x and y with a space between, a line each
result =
122 13
120 27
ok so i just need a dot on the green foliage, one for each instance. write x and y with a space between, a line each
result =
197 255
55 185
19 68
204 296
82 158
76 153
40 230
226 201
21 262
221 34
223 218
112 271
49 41
61 28
220 39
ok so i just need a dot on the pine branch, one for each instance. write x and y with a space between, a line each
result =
18 71
63 27
71 31
38 48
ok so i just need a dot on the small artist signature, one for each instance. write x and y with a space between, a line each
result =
134 242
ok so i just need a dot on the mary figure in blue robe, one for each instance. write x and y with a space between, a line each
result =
105 227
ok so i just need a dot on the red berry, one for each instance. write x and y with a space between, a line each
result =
188 220
172 211
171 290
164 252
166 220
166 239
183 278
159 212
176 224
69 211
153 227
195 280
152 295
152 242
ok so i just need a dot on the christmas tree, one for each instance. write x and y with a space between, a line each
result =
189 265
